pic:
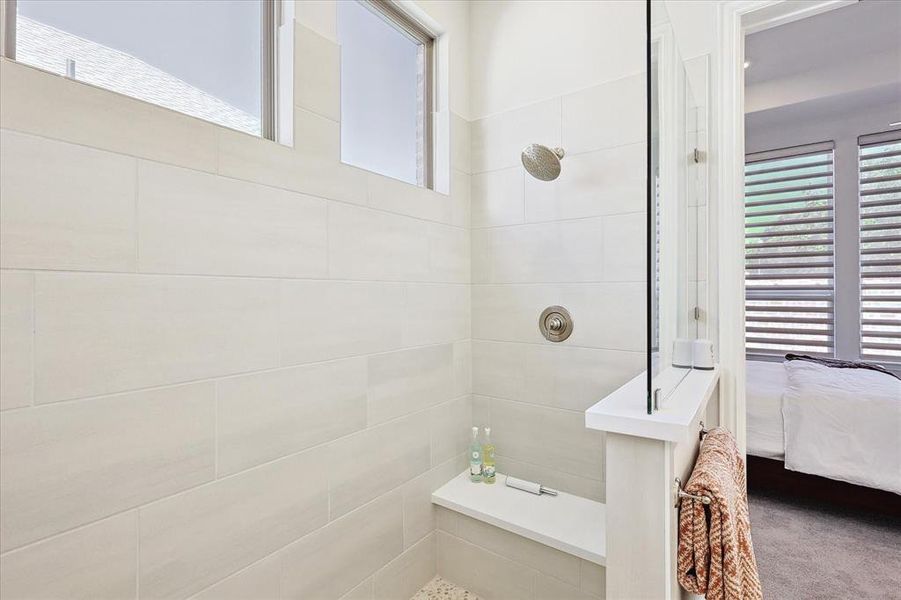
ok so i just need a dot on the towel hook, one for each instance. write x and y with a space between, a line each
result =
683 494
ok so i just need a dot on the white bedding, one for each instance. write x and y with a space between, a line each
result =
766 381
843 424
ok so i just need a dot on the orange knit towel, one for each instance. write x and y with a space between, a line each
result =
716 557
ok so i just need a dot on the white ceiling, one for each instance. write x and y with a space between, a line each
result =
852 32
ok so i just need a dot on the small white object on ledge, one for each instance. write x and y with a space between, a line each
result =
529 486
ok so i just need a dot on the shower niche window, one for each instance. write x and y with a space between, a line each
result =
386 91
677 209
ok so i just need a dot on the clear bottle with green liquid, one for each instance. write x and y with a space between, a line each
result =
488 468
475 457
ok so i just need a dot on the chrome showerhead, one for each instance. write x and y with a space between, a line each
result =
542 162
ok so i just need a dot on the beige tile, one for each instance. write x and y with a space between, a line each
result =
317 73
510 313
498 140
367 464
484 573
559 376
393 195
600 182
316 136
436 314
566 251
250 158
497 197
594 579
542 558
195 539
318 15
321 320
402 577
268 415
96 562
587 486
420 515
547 437
65 206
449 259
604 116
69 464
364 591
450 429
259 581
624 247
197 223
447 520
373 245
338 557
461 143
98 333
38 102
410 380
461 197
548 588
463 368
16 339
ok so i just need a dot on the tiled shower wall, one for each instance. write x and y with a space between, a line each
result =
578 242
229 368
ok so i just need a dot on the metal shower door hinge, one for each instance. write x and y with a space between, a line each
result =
697 313
697 156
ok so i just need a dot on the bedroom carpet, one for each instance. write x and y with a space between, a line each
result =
808 552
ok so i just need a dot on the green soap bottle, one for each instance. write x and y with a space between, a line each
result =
488 468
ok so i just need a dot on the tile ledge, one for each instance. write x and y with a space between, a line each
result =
568 523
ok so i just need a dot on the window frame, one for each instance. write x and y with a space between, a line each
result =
417 32
813 293
270 19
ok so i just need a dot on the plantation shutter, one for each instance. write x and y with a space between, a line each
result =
880 246
789 251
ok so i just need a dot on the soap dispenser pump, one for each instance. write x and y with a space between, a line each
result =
488 468
475 457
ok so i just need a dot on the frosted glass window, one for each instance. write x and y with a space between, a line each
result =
199 57
385 109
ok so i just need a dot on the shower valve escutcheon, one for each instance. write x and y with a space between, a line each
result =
555 323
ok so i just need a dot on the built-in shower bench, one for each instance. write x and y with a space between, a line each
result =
568 523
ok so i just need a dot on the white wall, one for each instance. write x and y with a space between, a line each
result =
230 368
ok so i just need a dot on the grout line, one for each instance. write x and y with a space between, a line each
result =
556 221
137 554
33 283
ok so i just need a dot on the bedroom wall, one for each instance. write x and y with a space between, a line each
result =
230 368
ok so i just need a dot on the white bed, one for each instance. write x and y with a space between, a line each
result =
766 384
839 423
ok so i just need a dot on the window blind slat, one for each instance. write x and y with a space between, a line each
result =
880 255
789 251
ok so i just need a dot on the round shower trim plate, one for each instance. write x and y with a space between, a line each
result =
555 323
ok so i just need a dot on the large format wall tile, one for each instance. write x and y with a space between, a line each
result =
195 539
498 140
369 244
98 334
65 206
435 314
606 315
419 512
497 197
604 116
68 464
197 223
559 376
97 562
624 247
394 195
335 559
321 320
395 453
602 182
16 339
406 574
564 251
268 415
317 73
407 381
547 437
483 573
259 581
34 101
450 424
448 254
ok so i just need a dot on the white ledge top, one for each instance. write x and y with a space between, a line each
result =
571 524
625 410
